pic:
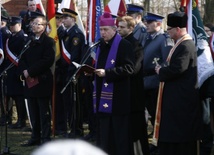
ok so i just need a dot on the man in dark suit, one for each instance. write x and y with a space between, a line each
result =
126 25
35 68
178 116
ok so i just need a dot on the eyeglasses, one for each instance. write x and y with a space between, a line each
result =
170 28
36 24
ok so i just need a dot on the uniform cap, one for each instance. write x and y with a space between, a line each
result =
15 19
153 17
4 18
177 19
36 14
131 8
106 20
58 15
69 12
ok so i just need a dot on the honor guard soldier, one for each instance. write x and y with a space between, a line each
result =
73 41
61 126
14 47
139 31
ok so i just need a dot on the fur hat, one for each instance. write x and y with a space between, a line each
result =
177 19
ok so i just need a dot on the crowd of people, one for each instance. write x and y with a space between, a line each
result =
138 67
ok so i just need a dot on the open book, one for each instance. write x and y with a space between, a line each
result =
84 68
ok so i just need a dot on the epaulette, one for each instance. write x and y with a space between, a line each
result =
8 31
169 41
166 35
143 30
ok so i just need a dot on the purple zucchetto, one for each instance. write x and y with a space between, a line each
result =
106 20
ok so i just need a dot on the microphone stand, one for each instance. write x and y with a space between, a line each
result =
74 79
3 76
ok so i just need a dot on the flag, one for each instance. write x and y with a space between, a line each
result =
196 30
116 8
71 4
95 11
52 29
39 5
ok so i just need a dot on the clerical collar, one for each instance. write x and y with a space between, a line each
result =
37 37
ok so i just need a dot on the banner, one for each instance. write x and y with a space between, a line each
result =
196 29
116 8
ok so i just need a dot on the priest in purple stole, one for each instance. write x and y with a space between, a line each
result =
114 65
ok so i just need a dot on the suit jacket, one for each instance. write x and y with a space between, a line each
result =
181 113
38 60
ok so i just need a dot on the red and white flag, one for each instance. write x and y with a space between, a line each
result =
116 8
39 5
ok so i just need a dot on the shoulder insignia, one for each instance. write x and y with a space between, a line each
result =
66 39
166 35
8 32
143 29
75 41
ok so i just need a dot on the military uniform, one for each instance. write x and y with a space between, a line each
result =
157 46
139 31
14 46
73 41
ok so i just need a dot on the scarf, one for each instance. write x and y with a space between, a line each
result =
105 102
160 94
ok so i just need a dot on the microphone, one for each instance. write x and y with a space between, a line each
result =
29 41
97 43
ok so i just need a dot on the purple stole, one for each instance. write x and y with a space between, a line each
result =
105 103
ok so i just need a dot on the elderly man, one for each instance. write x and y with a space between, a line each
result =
178 123
114 66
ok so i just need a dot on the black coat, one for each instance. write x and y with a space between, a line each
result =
15 44
37 60
181 115
137 91
119 75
